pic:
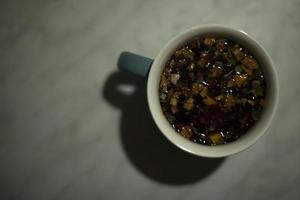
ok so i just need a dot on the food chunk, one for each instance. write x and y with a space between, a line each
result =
215 137
250 63
188 104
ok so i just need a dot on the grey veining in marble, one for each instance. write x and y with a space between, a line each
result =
73 127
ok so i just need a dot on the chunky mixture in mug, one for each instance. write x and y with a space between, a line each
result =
212 90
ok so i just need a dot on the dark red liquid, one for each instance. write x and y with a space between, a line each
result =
212 91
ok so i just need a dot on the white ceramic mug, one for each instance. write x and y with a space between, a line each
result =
141 65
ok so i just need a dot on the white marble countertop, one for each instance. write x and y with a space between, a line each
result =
69 129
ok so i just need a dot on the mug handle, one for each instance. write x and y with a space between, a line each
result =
134 63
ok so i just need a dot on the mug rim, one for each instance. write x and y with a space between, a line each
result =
241 143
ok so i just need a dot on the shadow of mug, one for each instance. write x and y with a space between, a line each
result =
146 147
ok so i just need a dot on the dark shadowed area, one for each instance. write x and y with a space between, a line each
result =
146 147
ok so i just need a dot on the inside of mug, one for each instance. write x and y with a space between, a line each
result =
271 90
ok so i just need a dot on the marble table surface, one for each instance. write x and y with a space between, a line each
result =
74 127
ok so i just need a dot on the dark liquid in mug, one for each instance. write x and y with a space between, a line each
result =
212 90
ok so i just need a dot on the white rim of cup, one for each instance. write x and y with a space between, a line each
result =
255 132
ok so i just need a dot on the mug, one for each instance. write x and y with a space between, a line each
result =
152 69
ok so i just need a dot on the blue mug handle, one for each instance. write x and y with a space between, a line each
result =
134 63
